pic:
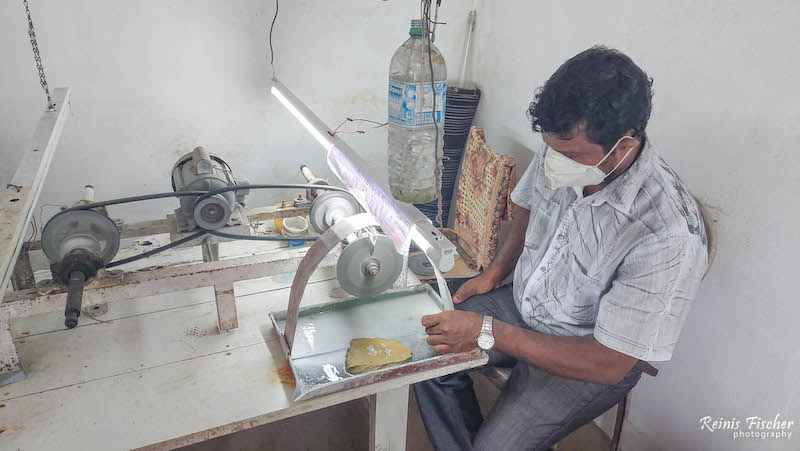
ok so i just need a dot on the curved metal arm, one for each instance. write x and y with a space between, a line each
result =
317 253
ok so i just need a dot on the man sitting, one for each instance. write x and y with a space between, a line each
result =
609 248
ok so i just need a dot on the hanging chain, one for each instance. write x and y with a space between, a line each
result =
38 58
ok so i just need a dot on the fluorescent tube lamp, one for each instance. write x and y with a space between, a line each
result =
403 219
301 113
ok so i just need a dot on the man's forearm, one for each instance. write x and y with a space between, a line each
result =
512 246
581 358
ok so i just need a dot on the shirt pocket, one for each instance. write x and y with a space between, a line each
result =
577 293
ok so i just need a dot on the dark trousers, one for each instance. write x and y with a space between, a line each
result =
535 410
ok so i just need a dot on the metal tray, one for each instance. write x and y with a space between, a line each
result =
324 333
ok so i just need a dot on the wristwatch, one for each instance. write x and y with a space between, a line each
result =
486 337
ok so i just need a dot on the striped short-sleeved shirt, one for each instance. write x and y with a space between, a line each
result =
622 264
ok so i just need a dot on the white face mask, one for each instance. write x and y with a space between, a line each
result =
564 171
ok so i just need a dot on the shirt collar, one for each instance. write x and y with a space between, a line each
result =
621 192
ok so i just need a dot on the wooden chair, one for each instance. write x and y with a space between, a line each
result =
499 376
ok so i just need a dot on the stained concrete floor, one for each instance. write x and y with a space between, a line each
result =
345 427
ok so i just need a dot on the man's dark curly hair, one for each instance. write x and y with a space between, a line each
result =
599 87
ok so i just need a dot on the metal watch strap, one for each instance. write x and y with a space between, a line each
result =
487 324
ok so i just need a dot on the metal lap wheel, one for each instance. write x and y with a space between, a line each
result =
363 274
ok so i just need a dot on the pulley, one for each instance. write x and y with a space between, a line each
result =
202 171
330 207
78 243
86 230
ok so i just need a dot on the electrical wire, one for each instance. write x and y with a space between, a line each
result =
439 164
358 132
157 250
337 128
261 237
35 230
271 51
380 124
41 210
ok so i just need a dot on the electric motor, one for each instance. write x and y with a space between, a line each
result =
199 170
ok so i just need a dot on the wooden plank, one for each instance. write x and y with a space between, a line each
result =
54 321
104 347
17 202
259 214
388 411
130 366
141 283
167 225
147 228
115 286
169 406
18 199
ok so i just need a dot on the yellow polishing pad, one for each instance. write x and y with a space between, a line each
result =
368 354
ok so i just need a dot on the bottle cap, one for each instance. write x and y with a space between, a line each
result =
416 27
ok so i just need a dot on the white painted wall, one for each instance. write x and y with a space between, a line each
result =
152 79
726 118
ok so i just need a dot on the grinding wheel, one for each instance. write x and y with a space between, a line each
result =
362 274
420 265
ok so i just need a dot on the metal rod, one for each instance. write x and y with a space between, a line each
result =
309 176
470 29
74 298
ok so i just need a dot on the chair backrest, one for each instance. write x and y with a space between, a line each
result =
487 178
711 233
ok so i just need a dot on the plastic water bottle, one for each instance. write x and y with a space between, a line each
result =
412 119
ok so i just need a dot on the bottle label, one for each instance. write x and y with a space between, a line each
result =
411 104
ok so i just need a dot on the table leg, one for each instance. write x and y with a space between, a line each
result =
210 252
22 277
388 420
226 306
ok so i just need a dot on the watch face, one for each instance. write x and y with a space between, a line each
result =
485 341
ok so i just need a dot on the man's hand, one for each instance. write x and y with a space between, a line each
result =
453 330
481 284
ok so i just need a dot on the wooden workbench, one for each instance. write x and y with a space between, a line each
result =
156 373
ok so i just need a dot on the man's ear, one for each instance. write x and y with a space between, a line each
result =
625 147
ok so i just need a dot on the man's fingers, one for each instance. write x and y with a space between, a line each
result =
434 340
441 349
463 293
435 330
430 320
